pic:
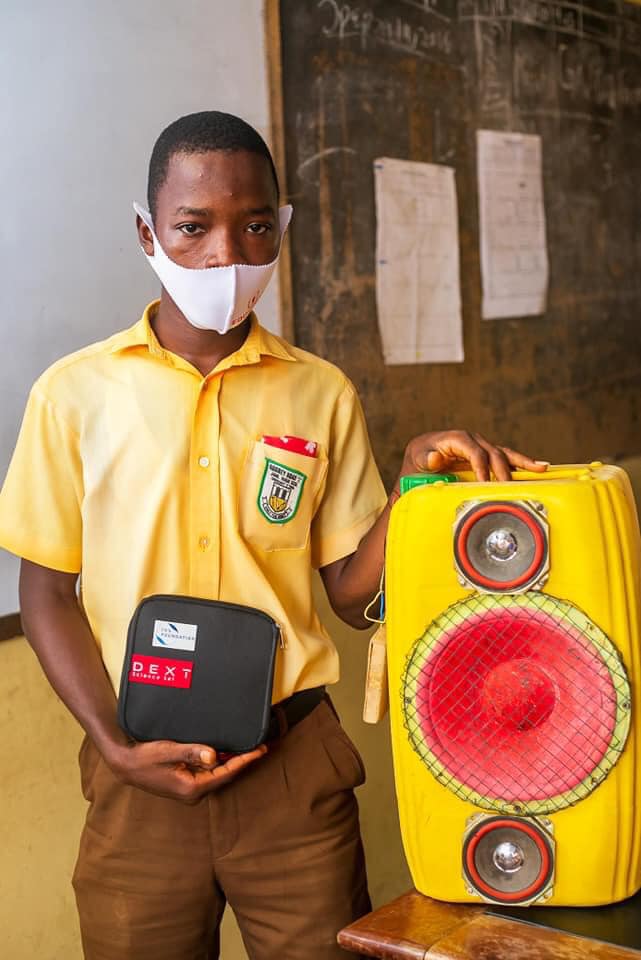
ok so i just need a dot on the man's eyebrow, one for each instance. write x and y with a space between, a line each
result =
192 211
260 211
204 212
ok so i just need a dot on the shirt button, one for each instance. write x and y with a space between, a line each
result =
203 543
203 462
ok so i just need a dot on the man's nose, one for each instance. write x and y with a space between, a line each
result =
223 249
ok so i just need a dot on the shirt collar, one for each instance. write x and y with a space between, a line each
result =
259 342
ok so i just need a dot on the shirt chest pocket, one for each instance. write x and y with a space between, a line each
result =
279 493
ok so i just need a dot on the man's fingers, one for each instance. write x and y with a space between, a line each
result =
193 754
499 461
198 755
435 461
205 780
446 450
500 465
523 462
201 756
237 763
455 447
181 771
191 784
196 781
468 448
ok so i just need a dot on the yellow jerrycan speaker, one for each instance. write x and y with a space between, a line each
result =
513 630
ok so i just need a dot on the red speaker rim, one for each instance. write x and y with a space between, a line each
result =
537 885
522 514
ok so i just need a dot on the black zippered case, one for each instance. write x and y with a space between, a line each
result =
198 671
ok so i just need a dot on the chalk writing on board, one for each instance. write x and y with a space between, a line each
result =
308 168
586 76
347 20
589 80
629 92
605 26
490 41
438 8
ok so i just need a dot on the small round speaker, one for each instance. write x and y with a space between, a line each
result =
508 860
501 546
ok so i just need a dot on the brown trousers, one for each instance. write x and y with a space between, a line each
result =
281 844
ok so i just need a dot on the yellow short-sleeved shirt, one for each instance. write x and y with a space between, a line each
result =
147 478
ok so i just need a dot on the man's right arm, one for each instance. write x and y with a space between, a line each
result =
59 633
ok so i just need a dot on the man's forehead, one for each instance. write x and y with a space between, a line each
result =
223 170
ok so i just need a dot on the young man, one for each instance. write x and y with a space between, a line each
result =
141 468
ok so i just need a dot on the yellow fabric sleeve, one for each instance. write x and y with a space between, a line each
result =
40 502
354 494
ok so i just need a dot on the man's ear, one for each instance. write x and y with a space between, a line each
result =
145 236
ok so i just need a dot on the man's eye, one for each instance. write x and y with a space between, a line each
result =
189 229
259 228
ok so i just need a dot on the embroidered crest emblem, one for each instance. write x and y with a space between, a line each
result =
280 491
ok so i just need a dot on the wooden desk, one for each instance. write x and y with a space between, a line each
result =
413 927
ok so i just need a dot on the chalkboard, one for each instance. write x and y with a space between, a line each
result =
415 79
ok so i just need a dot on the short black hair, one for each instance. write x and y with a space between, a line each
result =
199 133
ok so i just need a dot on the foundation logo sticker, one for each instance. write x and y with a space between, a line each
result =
176 636
280 491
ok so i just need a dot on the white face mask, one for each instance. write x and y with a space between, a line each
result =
213 298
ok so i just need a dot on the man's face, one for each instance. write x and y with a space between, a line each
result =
215 209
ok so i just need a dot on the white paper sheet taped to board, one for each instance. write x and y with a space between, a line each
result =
417 262
514 259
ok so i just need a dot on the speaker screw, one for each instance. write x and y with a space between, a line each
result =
626 705
462 581
540 508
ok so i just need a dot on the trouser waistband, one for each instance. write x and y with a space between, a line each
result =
291 711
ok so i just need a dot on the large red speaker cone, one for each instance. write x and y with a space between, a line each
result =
518 703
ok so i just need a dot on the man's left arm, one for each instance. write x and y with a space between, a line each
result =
353 581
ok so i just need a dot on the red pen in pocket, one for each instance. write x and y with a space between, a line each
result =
308 448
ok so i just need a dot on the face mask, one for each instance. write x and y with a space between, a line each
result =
213 298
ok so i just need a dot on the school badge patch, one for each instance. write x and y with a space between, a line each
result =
280 491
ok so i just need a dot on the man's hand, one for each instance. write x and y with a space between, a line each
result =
446 449
352 581
178 771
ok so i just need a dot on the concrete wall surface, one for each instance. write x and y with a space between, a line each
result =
85 90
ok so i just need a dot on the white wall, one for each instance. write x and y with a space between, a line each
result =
85 90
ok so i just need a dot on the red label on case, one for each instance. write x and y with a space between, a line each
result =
161 671
308 448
